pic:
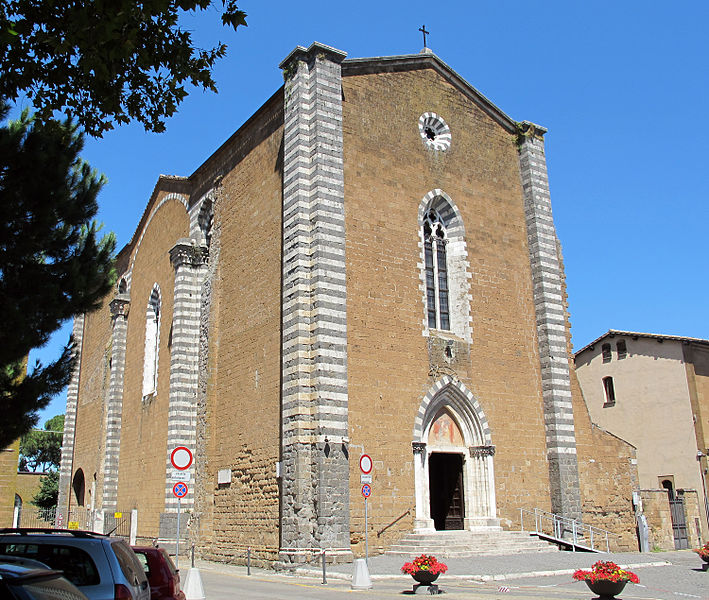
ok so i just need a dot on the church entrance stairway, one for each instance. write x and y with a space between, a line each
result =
464 543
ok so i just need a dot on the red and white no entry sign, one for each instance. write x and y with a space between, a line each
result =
181 458
179 489
365 464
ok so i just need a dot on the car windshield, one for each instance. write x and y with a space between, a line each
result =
77 565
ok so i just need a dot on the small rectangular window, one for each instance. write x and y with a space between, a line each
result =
609 391
621 349
606 351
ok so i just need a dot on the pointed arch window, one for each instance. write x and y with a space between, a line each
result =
152 334
436 266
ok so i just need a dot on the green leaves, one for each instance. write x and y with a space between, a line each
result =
41 450
105 63
53 264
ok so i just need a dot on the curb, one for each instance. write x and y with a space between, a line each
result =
482 578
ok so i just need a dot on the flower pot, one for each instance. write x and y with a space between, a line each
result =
605 589
424 577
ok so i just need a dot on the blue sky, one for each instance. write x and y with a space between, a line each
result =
623 88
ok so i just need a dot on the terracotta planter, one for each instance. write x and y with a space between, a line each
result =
424 577
606 590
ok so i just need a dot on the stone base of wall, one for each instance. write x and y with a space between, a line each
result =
659 519
167 534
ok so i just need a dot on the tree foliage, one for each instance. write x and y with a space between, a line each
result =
52 263
41 450
105 62
48 492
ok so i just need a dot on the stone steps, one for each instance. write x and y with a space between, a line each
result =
456 544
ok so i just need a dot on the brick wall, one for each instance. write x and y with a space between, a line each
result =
242 418
28 485
8 478
657 512
90 410
391 364
144 424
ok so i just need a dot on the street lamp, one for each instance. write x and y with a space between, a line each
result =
703 473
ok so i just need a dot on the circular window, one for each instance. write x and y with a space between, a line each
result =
434 131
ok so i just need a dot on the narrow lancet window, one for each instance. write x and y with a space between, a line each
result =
152 334
436 265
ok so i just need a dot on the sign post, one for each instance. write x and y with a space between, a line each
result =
365 465
180 491
181 459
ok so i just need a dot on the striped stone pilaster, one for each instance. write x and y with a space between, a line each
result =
72 397
315 486
551 324
120 306
189 261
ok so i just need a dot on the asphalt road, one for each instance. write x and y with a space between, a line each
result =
668 576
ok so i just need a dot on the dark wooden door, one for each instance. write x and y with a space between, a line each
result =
679 522
445 478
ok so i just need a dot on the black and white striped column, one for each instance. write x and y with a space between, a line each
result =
72 397
120 306
315 472
551 324
189 261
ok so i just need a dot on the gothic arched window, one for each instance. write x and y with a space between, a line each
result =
436 265
152 334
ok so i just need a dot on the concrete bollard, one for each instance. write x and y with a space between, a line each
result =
360 578
193 588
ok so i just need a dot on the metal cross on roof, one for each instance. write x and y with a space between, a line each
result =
422 29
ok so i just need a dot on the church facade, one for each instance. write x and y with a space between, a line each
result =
369 265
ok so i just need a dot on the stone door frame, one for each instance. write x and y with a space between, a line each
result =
478 468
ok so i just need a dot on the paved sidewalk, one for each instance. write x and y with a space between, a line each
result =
508 566
663 576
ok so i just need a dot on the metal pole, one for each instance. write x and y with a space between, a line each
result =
324 575
366 534
193 556
573 530
177 545
521 520
248 560
702 474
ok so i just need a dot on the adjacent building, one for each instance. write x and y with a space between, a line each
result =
653 391
368 265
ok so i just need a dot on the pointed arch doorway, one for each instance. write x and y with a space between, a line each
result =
453 461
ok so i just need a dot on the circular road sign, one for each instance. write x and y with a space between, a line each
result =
179 489
181 458
365 464
366 490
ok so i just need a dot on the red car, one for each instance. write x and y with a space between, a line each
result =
163 577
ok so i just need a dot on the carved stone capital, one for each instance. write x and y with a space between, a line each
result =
418 447
120 306
187 252
480 451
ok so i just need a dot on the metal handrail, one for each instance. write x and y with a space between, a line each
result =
559 526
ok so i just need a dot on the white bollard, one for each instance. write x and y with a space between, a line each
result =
360 578
193 585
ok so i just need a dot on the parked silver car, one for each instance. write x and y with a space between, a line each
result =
102 567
